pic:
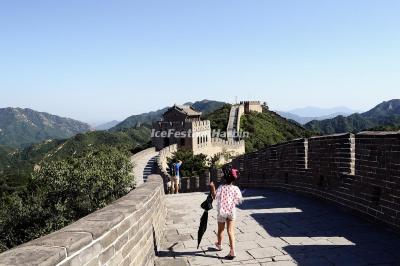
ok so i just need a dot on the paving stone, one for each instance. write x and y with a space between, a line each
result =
297 240
271 242
170 262
279 229
340 241
248 236
241 255
283 258
246 245
171 245
183 231
178 238
280 263
193 243
314 262
259 253
205 260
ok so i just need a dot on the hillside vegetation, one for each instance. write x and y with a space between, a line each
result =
5 154
72 178
62 191
219 118
383 116
22 127
265 128
207 106
269 128
17 166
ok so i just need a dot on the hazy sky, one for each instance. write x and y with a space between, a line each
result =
103 60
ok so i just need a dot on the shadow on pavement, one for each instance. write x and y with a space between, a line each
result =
320 233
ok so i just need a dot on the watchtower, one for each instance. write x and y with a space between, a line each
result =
183 126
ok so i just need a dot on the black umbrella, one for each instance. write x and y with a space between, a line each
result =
206 205
202 227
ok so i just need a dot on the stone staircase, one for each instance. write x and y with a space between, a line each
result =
144 164
232 122
149 168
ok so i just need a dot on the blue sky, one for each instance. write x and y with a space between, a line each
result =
103 60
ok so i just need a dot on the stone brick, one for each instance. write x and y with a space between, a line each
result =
93 262
27 255
109 238
121 241
72 241
87 254
106 255
115 260
126 249
259 253
354 171
94 238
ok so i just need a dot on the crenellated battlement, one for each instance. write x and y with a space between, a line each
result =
201 123
359 171
227 143
250 102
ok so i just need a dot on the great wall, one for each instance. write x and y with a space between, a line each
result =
275 226
360 172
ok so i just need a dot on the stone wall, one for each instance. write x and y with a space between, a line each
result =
361 172
161 141
217 145
139 161
126 232
252 106
239 116
162 163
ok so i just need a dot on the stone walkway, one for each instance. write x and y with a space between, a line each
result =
277 228
143 162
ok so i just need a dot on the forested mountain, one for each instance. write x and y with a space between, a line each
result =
385 115
22 127
264 129
107 125
204 106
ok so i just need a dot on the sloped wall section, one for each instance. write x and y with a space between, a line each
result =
361 172
126 232
162 163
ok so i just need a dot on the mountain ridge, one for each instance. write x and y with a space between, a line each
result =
385 114
313 111
24 126
304 119
107 125
205 106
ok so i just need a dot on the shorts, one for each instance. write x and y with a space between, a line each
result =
222 219
174 180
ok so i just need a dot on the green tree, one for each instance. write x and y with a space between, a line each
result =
192 164
63 191
269 128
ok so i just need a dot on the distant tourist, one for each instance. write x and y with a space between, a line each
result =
175 178
227 196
